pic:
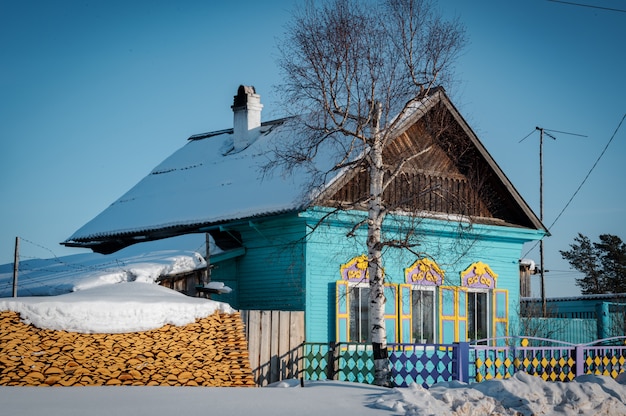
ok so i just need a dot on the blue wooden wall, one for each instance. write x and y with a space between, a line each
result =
270 275
453 248
292 262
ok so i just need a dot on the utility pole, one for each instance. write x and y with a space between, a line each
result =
16 267
544 308
543 132
207 256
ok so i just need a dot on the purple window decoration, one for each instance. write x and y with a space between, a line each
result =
424 272
355 270
479 275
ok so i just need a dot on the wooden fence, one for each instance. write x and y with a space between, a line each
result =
571 330
275 340
427 364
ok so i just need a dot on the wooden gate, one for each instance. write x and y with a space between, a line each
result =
275 341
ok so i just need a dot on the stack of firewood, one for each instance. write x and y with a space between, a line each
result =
210 352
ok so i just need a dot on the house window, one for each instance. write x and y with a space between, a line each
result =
359 329
352 304
417 301
423 315
352 310
478 315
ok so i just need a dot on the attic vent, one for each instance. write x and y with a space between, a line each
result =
246 117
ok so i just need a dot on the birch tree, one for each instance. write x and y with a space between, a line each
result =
352 70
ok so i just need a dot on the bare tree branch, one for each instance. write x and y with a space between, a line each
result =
354 73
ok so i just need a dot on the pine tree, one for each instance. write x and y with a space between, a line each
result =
603 263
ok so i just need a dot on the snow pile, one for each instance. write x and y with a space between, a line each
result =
114 308
143 262
144 268
115 293
522 394
218 287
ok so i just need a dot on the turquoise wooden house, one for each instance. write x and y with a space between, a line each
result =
283 249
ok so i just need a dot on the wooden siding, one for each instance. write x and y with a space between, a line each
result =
183 282
422 191
450 177
327 248
271 274
226 272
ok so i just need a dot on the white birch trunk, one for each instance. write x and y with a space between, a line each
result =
376 214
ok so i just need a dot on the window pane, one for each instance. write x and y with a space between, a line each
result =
481 310
429 316
359 319
355 304
471 316
416 300
423 316
478 315
365 329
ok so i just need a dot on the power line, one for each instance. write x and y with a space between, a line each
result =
589 173
571 3
108 265
583 181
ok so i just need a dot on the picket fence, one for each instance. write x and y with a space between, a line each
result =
278 351
428 364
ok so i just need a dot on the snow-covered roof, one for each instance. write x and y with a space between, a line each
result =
204 182
214 179
145 262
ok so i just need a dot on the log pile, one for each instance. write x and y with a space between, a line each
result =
210 352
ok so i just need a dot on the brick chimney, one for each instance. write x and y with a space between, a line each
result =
246 117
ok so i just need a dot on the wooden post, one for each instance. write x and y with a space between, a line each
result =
461 365
16 260
541 267
208 258
331 362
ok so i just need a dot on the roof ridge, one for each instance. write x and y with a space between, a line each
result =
206 135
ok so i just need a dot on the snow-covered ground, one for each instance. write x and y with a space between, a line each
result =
111 302
521 395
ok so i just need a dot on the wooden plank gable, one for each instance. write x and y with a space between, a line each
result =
453 175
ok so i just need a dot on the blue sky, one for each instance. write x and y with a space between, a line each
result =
93 95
